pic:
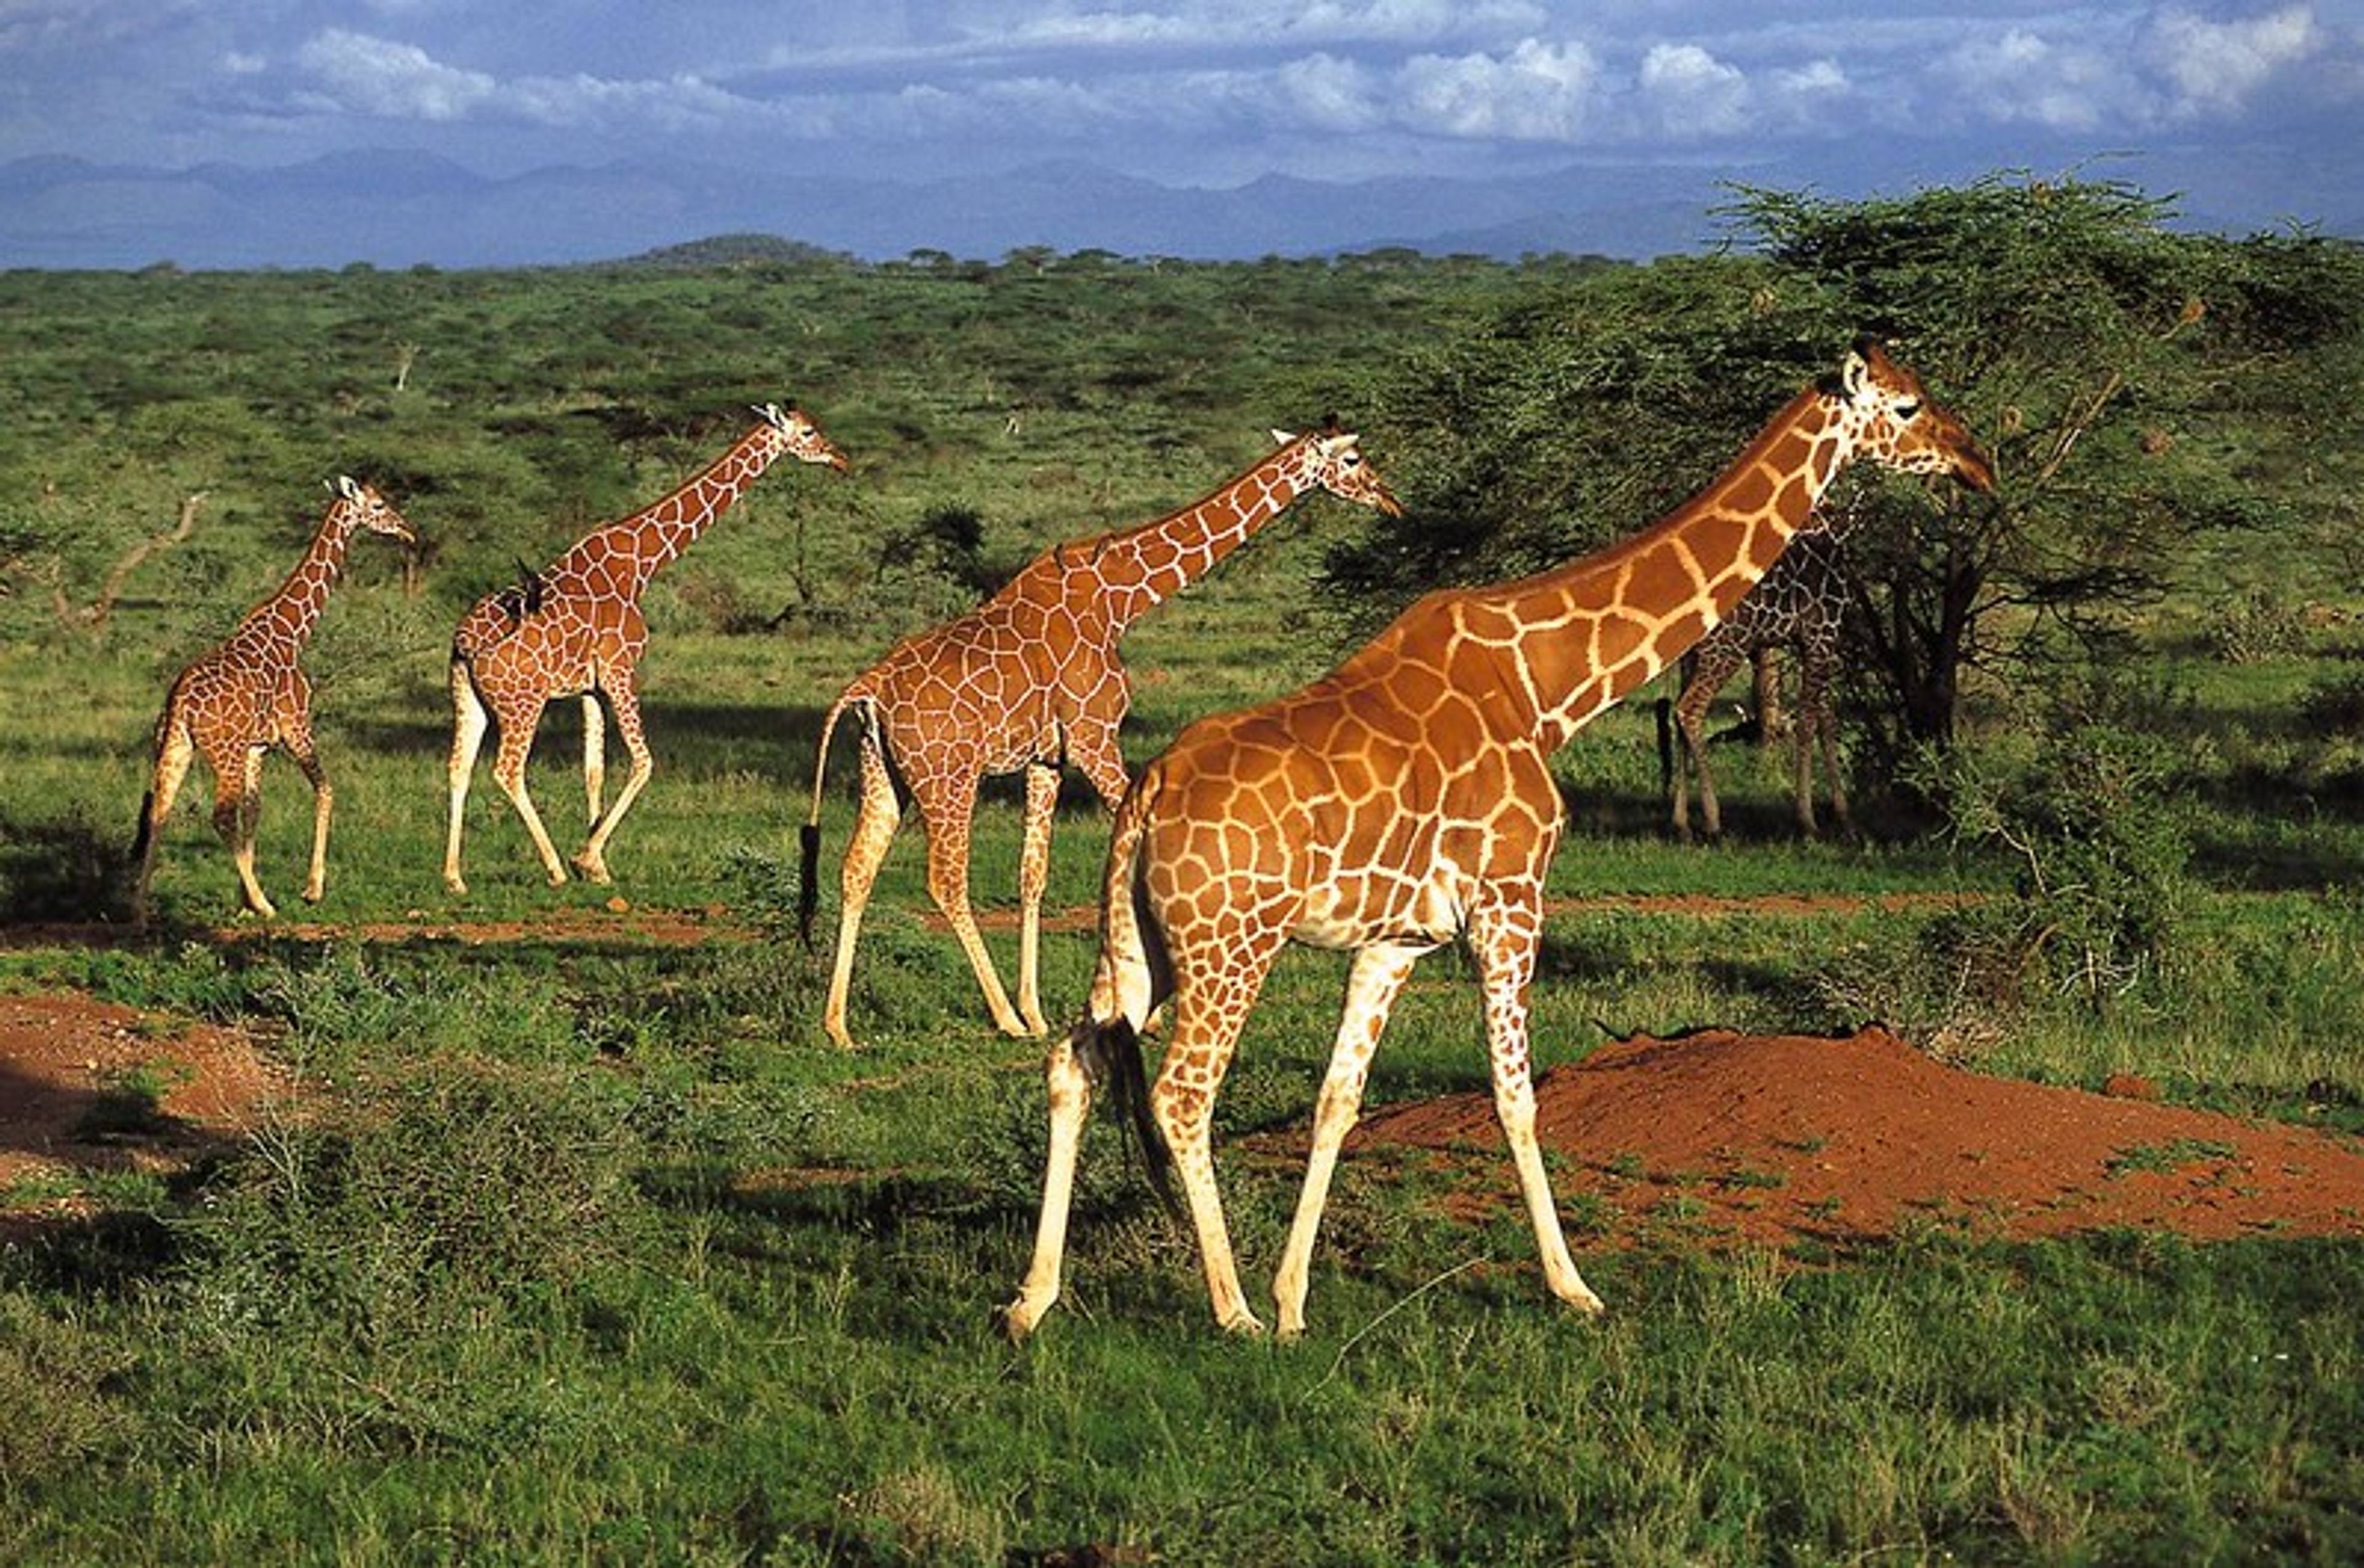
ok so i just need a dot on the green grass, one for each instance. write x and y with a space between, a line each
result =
583 1248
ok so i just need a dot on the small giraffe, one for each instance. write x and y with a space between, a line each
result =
1407 797
1027 679
575 628
250 693
1801 604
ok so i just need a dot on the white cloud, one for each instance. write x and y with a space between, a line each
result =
393 81
2021 77
1326 93
1693 95
1539 92
2217 67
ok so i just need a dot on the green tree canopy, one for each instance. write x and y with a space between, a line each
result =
2093 348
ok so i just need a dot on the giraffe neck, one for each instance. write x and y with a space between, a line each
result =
285 619
636 547
1140 567
1587 634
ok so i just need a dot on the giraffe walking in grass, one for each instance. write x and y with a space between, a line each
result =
1407 798
1028 680
249 694
575 628
1801 604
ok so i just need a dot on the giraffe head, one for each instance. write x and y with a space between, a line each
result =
805 441
1334 461
365 508
1890 419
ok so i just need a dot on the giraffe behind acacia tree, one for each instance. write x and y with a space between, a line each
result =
575 628
249 694
1027 680
1406 798
1801 604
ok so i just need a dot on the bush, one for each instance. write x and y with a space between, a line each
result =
462 1184
2093 819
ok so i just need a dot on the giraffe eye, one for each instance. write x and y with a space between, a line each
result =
1907 411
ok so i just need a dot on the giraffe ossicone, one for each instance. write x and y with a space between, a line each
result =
248 694
1028 680
1406 799
574 629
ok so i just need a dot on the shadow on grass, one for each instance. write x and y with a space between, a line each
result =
65 868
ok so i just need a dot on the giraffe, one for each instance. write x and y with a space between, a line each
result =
248 694
1026 680
1801 604
575 628
1405 799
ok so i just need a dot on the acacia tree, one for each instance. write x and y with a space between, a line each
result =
2066 321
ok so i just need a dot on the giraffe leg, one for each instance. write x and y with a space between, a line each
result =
1071 1103
1714 667
1208 1017
1504 933
508 772
594 759
324 798
946 806
874 822
238 811
1378 975
1092 747
593 861
175 752
469 722
1817 729
1837 771
1033 875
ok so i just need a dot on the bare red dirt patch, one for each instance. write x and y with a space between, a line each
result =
1719 1137
90 1086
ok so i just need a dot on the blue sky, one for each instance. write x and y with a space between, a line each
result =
1197 92
1211 92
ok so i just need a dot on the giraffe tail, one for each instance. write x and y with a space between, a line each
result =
1133 977
1109 1053
142 836
808 836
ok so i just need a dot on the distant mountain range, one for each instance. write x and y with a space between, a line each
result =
399 209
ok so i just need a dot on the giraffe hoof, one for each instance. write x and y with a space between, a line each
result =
454 885
1246 1326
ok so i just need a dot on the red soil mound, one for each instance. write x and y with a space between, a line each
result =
1778 1139
77 1093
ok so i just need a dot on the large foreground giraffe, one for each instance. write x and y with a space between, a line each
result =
1026 680
575 628
1801 604
1406 798
249 694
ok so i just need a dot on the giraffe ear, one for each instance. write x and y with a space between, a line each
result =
1854 375
345 486
1282 438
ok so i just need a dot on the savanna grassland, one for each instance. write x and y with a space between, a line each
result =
578 1243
